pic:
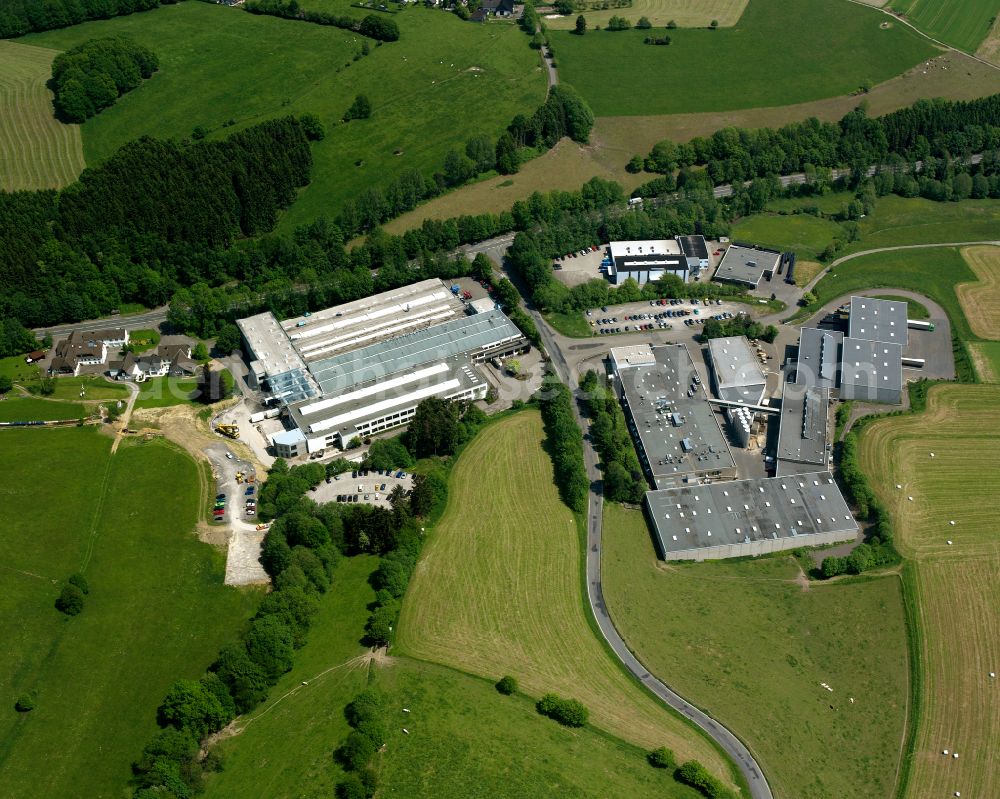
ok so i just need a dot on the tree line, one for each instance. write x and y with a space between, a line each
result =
18 17
624 480
373 26
154 216
563 442
90 77
939 128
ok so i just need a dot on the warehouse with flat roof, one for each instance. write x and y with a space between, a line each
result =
646 261
818 360
676 431
363 367
736 372
871 371
878 320
803 430
749 517
747 266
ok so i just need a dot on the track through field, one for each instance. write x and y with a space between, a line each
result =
36 150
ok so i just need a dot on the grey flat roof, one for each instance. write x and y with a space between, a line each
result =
653 394
738 376
269 345
872 363
693 246
818 360
878 320
369 320
376 399
746 265
464 335
803 430
738 511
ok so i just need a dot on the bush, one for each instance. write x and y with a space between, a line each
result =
361 108
697 776
356 751
506 685
661 758
80 582
25 703
312 127
568 712
70 600
351 787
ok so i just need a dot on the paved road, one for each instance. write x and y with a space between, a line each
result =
146 319
759 788
843 258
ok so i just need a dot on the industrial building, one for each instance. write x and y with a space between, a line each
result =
646 261
749 517
803 430
736 372
818 360
695 250
747 266
871 371
363 367
878 320
677 433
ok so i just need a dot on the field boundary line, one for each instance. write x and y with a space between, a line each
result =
928 37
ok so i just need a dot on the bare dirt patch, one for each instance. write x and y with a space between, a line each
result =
981 300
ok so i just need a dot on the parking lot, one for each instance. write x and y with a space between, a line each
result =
678 315
372 488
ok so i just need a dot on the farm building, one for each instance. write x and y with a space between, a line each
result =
747 266
363 367
677 434
736 372
645 261
749 517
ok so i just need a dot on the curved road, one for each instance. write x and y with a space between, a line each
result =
730 744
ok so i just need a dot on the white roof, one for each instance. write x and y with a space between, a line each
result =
652 246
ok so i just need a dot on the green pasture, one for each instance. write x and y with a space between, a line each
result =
914 309
94 387
829 203
223 69
803 234
161 392
780 52
157 608
32 409
961 23
898 220
747 642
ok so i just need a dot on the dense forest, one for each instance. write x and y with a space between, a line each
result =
939 128
157 215
18 17
92 76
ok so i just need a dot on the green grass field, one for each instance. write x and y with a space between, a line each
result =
498 590
829 203
897 220
32 409
806 235
686 13
619 75
953 576
93 387
144 340
219 64
161 392
746 642
157 609
986 356
914 309
457 723
36 150
960 23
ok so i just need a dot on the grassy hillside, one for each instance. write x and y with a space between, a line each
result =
806 235
953 575
498 591
768 59
441 83
36 150
960 23
157 609
750 645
